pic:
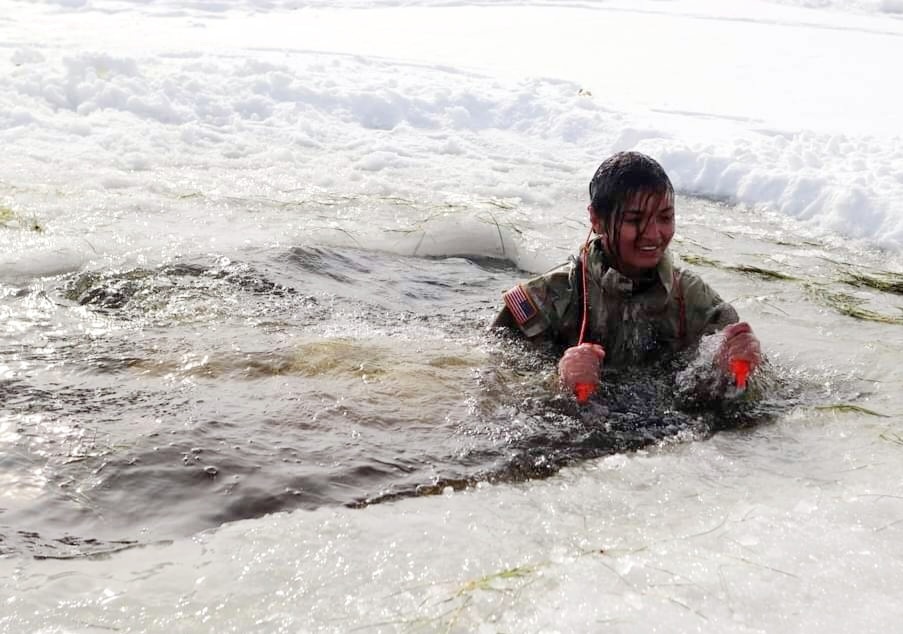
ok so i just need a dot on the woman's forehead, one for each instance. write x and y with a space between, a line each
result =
647 201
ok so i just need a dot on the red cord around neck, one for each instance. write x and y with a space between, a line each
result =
584 256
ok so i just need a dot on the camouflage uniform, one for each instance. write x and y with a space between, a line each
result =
635 321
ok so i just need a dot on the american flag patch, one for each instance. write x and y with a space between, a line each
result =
521 305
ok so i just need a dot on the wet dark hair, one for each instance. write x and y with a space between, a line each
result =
619 178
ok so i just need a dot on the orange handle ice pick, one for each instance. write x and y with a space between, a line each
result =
740 368
583 391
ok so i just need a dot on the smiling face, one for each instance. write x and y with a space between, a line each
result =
640 233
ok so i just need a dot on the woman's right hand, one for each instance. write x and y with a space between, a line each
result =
580 364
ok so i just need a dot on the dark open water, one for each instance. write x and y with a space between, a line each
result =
149 403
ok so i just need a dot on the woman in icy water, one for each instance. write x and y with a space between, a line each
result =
638 306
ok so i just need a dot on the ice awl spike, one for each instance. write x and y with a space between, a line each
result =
583 391
740 368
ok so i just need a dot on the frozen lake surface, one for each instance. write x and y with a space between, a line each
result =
248 254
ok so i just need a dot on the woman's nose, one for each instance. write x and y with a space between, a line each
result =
651 228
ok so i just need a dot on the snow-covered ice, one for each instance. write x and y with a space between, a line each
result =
141 132
774 105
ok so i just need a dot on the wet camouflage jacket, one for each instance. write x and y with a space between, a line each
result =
635 321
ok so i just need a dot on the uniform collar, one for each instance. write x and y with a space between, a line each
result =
598 266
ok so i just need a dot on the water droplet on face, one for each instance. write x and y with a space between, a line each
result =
211 470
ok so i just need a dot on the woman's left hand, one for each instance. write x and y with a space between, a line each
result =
739 344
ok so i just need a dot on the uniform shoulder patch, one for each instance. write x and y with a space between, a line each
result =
521 305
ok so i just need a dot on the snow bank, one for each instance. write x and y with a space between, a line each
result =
850 186
218 114
362 123
709 7
876 6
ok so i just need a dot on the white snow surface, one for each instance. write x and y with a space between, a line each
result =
793 106
156 129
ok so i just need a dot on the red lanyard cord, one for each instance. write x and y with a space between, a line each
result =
584 390
584 256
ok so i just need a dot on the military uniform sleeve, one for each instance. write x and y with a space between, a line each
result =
706 312
538 306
